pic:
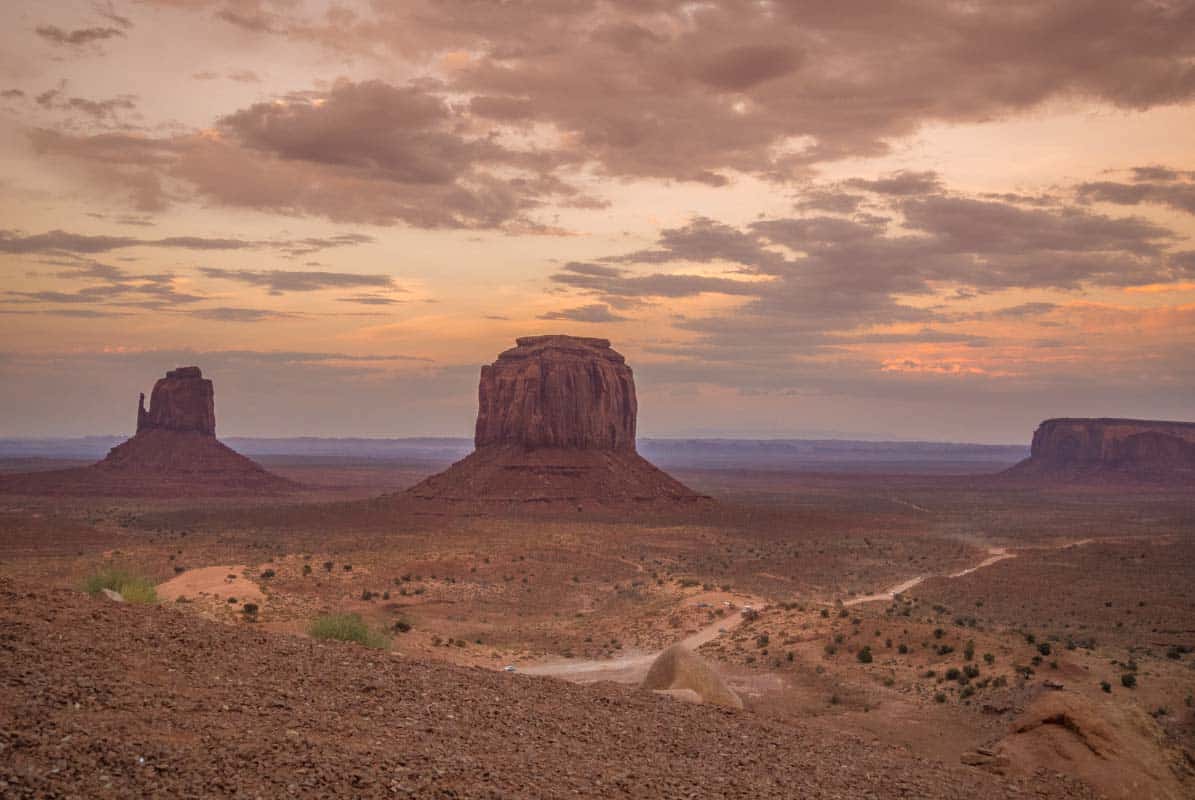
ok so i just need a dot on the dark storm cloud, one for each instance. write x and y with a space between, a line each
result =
595 312
77 37
281 281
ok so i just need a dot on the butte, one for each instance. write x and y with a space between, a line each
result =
174 453
1110 451
556 429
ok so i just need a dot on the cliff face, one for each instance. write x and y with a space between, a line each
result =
1090 447
557 391
555 429
182 401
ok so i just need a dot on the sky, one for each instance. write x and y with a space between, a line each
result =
897 220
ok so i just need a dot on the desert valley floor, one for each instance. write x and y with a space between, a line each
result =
920 635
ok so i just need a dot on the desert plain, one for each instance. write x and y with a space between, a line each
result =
912 634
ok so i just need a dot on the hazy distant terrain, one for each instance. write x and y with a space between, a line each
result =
831 455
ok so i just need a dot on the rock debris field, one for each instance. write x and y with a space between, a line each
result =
99 699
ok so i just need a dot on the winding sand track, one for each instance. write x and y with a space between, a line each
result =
632 667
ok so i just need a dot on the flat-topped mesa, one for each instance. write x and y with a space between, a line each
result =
1149 449
182 401
567 392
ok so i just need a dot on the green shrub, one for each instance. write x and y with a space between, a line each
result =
132 587
864 654
347 628
1128 680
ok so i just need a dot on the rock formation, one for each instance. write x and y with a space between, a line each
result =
1110 449
679 671
174 452
556 425
182 401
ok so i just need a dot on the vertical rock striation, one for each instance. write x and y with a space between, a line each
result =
182 401
555 426
1110 448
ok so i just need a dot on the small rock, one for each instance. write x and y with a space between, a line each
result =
114 596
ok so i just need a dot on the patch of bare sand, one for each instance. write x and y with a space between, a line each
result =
211 582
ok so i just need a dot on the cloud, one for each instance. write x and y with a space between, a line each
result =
77 37
812 285
595 312
689 91
59 241
367 152
112 286
230 314
371 300
282 281
1157 185
903 183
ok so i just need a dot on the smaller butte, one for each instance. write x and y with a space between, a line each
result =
556 429
174 453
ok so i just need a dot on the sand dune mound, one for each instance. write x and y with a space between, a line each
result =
555 427
1117 749
175 452
679 669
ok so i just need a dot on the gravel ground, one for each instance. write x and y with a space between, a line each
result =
99 699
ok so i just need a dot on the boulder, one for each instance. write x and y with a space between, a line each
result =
678 669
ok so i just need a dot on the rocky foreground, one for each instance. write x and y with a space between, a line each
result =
99 699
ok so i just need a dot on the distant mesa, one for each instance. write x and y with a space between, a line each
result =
556 426
174 453
1107 450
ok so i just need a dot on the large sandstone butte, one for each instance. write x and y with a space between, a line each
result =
174 452
1111 449
556 426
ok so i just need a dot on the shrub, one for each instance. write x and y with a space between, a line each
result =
864 654
249 610
327 566
939 633
831 649
1128 680
1044 648
306 569
988 658
969 651
1107 687
268 573
966 692
134 588
347 628
940 697
825 613
953 674
902 649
